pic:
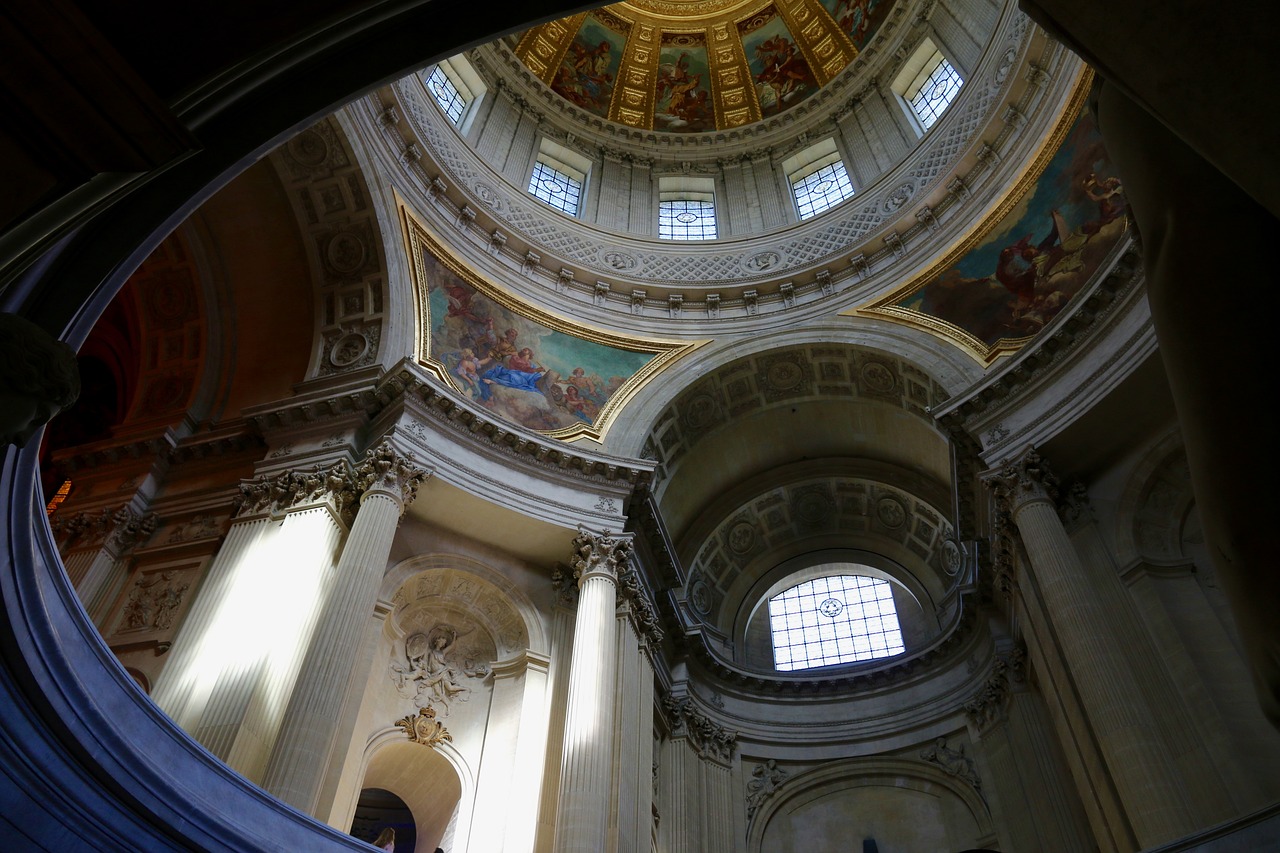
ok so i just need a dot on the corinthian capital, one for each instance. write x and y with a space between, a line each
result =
1022 480
599 553
385 470
130 529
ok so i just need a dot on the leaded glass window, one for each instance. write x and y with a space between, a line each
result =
821 189
557 189
833 620
686 219
933 90
446 94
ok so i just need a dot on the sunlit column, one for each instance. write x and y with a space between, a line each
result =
387 482
269 616
585 777
563 615
1136 760
182 686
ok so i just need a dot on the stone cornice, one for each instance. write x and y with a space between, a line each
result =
476 424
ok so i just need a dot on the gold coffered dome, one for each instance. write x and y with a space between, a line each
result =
690 66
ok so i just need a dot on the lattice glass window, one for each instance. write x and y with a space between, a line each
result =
446 94
821 189
832 620
933 90
686 219
561 191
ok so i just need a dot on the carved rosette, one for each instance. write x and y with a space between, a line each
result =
712 741
425 728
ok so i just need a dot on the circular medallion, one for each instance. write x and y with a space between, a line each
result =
348 349
784 375
831 608
345 252
952 557
309 148
700 411
619 260
813 509
741 537
878 377
700 597
763 261
891 512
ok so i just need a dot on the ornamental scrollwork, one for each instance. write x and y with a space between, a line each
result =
425 728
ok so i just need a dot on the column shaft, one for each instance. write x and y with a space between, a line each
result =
298 762
183 677
585 781
1135 757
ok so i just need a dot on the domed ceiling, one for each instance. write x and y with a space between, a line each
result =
689 66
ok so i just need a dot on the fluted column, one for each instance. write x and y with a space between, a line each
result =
585 775
1136 759
562 620
387 483
182 678
102 578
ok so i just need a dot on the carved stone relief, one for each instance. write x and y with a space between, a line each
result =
153 602
439 665
954 762
765 779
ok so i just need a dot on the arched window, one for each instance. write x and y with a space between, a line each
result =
832 620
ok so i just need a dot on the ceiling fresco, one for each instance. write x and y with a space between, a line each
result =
1022 267
527 367
689 66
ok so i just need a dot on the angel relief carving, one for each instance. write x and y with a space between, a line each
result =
435 665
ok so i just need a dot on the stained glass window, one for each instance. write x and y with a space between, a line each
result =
833 620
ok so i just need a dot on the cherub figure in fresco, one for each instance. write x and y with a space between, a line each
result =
588 386
468 369
579 406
